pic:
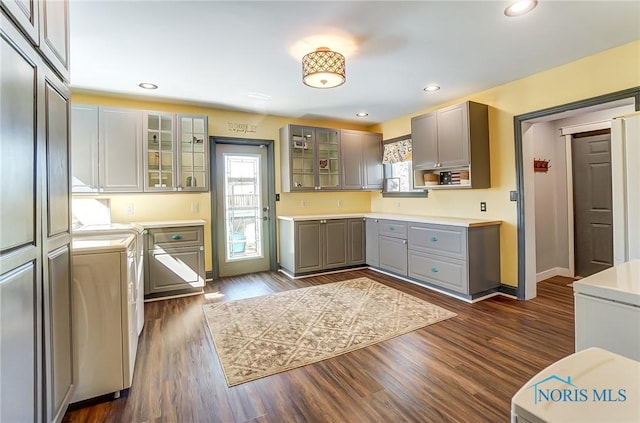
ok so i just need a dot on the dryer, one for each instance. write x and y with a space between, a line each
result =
124 228
104 313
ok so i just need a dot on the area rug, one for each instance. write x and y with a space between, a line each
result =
261 336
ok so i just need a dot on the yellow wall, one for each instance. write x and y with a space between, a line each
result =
221 123
606 72
612 70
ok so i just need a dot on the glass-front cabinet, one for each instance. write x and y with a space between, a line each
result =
193 152
175 152
328 142
310 158
160 157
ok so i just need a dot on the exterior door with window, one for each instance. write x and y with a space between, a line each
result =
242 209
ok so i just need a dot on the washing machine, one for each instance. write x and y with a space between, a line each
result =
104 313
592 385
124 228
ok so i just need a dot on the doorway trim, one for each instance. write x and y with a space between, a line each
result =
520 125
271 201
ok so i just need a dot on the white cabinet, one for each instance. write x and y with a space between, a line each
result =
176 152
106 149
160 156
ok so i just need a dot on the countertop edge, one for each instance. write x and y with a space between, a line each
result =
438 220
171 223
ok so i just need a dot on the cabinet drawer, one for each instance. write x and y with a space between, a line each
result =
393 228
184 236
450 241
173 270
393 254
449 274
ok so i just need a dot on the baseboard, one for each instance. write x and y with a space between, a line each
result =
509 291
556 271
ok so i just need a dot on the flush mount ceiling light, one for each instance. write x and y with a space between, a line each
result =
431 88
520 7
323 68
362 114
148 86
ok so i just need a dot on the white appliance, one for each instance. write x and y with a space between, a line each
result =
593 385
607 310
124 228
104 320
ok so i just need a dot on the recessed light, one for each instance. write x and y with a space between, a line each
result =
362 114
148 86
431 88
520 7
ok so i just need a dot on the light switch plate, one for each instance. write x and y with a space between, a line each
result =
513 196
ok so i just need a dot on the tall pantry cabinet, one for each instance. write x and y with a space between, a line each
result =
36 346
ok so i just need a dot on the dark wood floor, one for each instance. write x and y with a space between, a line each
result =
465 369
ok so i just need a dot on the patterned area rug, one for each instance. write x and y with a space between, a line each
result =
261 336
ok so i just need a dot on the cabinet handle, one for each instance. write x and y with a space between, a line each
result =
201 248
434 239
404 241
434 270
391 228
176 236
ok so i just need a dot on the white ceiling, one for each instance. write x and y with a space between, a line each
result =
243 55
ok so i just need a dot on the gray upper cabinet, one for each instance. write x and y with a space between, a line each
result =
46 24
106 149
452 143
361 160
424 141
309 158
54 35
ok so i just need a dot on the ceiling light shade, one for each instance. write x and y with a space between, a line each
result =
431 88
323 68
520 7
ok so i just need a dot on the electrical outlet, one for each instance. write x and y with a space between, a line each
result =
303 204
483 206
339 203
195 207
130 209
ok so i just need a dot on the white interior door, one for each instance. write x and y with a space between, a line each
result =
242 209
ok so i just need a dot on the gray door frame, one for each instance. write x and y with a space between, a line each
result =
271 200
518 122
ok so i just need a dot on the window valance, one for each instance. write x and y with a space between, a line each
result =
398 151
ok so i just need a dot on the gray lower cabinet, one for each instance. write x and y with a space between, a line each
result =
392 244
372 249
174 261
465 260
310 246
461 260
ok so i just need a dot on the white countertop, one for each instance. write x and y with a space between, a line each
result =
86 244
439 220
583 374
619 283
171 223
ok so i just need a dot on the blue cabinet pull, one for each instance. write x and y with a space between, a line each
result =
391 228
434 239
176 236
434 269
